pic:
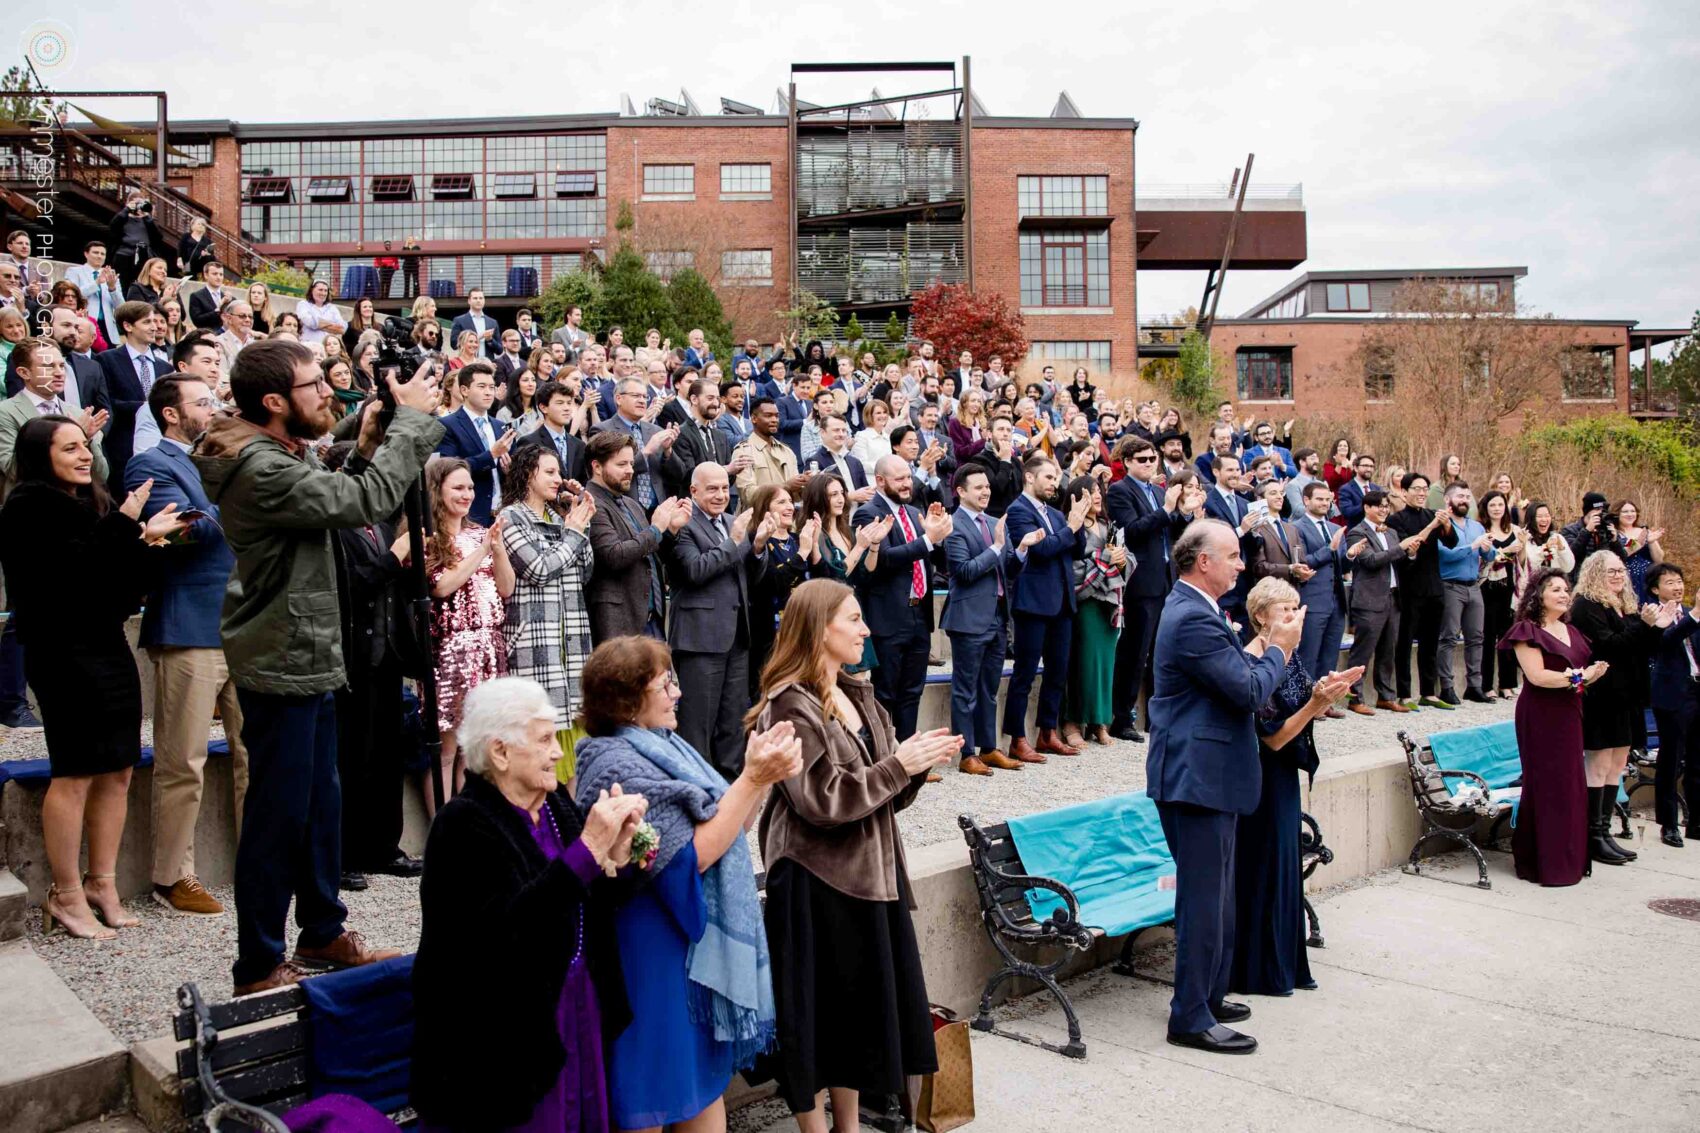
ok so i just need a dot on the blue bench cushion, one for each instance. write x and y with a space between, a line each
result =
1111 853
40 771
1490 750
360 1032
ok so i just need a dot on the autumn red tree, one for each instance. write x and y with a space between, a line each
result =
954 319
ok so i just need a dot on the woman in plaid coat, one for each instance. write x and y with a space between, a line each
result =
548 628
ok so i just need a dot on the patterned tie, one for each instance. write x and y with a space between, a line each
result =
917 572
986 534
645 492
144 372
51 406
561 451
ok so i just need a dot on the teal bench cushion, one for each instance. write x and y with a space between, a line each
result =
1490 750
1111 853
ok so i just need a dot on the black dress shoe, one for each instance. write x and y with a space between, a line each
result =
1474 696
1671 837
354 882
1217 1040
1227 1012
1450 698
401 866
1307 985
21 717
1128 732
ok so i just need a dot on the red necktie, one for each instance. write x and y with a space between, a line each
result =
918 573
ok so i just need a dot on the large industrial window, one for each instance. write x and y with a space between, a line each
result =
1065 268
669 182
1590 374
752 268
1063 196
1348 296
1265 374
1094 355
746 182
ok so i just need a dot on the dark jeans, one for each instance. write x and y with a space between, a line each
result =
902 671
369 765
1679 757
1419 623
1202 842
14 689
1036 637
976 670
1133 655
291 830
711 710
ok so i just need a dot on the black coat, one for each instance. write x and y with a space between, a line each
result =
1625 643
1420 577
499 925
1006 477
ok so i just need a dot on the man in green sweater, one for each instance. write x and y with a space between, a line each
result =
283 637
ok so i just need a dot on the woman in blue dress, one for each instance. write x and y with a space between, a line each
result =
1269 936
692 940
1640 546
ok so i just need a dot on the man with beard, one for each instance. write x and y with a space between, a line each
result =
1421 593
1309 464
282 633
1462 615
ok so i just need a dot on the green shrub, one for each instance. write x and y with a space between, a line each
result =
1660 445
289 281
695 306
573 289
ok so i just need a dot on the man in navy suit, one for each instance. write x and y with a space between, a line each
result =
478 322
795 407
1323 593
897 595
1676 706
206 306
180 631
85 382
1043 608
558 406
1203 772
982 569
1224 502
479 439
130 369
1351 497
834 456
1151 519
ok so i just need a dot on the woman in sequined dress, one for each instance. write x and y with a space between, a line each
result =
471 578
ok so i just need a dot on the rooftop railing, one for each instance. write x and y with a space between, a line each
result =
1215 190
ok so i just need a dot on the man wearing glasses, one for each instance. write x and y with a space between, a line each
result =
631 402
180 632
238 331
196 357
1151 518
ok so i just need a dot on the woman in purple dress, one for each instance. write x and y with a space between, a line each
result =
517 987
1550 842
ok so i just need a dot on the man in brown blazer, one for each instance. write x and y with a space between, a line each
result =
1277 550
625 595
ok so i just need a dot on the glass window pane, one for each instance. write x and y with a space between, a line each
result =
669 180
1358 293
746 178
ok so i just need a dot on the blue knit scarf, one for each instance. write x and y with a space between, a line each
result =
731 986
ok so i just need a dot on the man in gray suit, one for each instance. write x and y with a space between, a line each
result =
710 627
1372 549
624 595
654 445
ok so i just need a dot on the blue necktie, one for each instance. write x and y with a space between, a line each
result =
1157 505
645 493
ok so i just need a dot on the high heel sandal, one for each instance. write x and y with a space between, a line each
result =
49 918
118 920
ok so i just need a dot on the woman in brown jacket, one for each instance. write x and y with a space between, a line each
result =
852 1004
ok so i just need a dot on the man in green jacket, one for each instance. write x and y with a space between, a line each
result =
283 637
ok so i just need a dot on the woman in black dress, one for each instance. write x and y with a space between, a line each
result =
778 562
76 567
853 1014
1498 585
1269 928
1623 634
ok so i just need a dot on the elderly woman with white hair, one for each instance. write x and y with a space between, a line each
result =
1269 940
517 985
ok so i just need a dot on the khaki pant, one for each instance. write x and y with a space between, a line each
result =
188 684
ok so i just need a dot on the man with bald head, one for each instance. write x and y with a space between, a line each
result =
85 383
1203 770
710 627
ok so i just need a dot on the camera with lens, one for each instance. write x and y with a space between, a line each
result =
399 356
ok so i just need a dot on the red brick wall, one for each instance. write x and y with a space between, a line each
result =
708 225
1000 156
1328 383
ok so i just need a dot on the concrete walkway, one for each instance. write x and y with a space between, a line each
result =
1442 1007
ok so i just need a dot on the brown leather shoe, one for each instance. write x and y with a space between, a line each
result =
1391 706
971 765
346 951
1020 749
188 898
1053 744
1362 709
285 974
999 760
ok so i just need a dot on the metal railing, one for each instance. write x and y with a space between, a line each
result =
1162 334
1214 190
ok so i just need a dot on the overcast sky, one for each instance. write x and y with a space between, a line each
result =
1557 135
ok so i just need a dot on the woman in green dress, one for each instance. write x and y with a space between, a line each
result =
1099 576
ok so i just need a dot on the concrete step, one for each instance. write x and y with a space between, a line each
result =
59 1065
14 906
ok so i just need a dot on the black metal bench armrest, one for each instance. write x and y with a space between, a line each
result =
1062 925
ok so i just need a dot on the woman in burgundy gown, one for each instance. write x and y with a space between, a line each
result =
1550 842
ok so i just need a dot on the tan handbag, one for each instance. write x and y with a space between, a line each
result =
947 1096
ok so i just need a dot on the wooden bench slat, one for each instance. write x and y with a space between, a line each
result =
238 1012
254 1046
256 1085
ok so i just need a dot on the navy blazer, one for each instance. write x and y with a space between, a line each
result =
976 570
792 414
489 348
1045 585
1206 690
1673 685
1349 501
1149 531
91 382
204 312
1328 584
187 595
576 466
885 591
128 398
461 439
821 461
1218 508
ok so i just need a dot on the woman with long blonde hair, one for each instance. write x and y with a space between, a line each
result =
1623 635
848 988
152 285
260 302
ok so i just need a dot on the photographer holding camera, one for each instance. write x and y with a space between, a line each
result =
283 635
1596 530
134 239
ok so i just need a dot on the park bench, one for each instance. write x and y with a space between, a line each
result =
1100 869
252 1059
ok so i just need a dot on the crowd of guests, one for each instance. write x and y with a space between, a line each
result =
674 596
